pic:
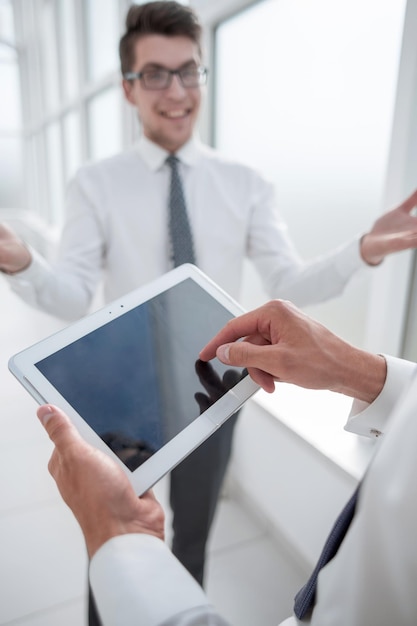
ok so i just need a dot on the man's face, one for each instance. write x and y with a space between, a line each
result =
168 115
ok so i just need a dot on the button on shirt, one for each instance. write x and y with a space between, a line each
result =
117 226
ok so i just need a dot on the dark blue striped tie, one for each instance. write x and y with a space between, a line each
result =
179 225
305 598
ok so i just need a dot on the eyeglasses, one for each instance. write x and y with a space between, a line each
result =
161 78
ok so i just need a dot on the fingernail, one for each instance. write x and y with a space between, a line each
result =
223 353
45 414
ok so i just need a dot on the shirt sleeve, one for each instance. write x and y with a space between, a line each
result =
371 580
372 420
284 273
66 287
136 579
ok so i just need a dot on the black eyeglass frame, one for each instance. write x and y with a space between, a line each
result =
201 77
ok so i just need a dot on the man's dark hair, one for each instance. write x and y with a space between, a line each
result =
157 18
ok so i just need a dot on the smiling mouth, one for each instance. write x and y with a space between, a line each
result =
175 115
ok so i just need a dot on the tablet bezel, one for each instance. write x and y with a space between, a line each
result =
22 366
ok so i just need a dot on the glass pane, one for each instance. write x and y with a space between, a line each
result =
7 53
6 21
103 34
104 123
55 181
35 200
49 56
11 158
69 48
10 104
309 103
11 178
72 144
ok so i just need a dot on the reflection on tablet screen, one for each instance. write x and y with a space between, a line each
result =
137 380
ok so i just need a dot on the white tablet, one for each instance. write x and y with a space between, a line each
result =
129 375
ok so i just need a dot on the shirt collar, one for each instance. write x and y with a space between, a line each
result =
155 156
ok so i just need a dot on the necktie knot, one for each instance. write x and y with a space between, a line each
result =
172 161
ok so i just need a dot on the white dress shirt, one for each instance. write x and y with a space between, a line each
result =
117 227
371 580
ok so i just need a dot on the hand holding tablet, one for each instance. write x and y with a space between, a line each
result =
129 376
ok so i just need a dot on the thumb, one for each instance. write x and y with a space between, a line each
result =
58 425
250 356
236 353
240 353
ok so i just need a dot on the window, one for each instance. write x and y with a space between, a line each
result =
71 92
68 36
72 143
49 56
11 158
102 37
103 113
303 96
55 172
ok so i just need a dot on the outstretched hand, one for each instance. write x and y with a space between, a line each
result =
95 488
394 231
283 344
14 255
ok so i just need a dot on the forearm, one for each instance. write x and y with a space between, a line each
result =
360 375
314 280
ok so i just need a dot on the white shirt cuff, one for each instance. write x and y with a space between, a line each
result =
33 272
349 259
137 575
371 420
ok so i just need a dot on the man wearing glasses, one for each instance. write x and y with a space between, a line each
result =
117 228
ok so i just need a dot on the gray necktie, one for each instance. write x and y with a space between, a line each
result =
305 598
179 226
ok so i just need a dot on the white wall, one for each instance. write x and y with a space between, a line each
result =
287 482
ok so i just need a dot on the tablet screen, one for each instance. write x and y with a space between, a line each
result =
137 380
